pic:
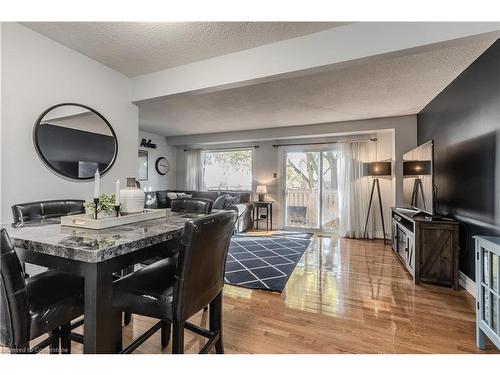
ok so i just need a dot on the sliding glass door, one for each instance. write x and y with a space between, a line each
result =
329 193
302 189
310 193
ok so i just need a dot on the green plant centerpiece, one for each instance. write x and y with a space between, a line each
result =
105 207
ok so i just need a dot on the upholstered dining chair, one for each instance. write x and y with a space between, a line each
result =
181 205
192 205
31 307
30 211
187 206
176 288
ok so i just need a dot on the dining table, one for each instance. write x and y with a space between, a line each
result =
97 255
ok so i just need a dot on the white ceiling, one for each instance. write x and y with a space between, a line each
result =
136 48
390 86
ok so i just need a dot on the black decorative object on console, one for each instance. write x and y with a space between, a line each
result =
147 143
96 205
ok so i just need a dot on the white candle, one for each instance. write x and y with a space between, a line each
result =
117 193
97 183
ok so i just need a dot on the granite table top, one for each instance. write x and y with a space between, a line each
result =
92 246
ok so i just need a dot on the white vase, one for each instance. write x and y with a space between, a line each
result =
131 198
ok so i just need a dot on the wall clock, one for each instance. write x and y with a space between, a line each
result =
162 166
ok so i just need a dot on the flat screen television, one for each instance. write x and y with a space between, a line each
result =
418 178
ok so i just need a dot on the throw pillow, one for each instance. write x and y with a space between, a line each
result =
231 201
172 196
178 195
220 203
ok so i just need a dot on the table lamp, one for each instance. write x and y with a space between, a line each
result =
261 191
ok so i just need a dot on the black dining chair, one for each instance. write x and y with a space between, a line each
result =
180 205
40 210
176 288
187 206
34 306
192 205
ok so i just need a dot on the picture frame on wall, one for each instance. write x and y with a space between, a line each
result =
142 173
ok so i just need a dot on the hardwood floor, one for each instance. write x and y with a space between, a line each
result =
345 296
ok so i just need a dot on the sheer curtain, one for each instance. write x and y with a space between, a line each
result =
195 169
354 189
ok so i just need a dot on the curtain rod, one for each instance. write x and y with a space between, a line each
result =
222 148
372 139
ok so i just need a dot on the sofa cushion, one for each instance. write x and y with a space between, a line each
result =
241 207
178 195
164 200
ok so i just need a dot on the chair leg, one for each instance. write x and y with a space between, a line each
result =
54 347
178 338
215 318
165 334
127 318
66 338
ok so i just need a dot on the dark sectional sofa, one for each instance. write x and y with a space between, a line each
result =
244 207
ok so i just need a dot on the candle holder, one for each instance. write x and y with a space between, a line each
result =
117 209
96 203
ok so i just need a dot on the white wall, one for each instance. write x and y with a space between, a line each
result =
396 136
155 180
36 74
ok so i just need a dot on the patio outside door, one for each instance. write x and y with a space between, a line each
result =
310 194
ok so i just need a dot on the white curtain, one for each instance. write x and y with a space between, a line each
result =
195 169
354 189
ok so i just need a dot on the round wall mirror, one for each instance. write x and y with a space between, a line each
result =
74 140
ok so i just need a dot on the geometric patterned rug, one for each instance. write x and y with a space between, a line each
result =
263 262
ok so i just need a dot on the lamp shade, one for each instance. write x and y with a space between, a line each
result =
261 189
417 168
377 168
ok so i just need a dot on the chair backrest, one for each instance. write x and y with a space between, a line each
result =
14 314
30 211
192 205
201 262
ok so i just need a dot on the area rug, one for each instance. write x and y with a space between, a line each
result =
284 233
264 262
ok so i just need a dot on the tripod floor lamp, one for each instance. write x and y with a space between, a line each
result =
376 169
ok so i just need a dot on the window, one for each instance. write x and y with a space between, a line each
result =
228 170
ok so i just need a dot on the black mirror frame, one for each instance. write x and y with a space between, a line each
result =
47 163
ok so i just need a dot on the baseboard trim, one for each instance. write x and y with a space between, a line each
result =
467 283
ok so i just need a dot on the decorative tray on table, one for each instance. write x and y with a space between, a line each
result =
88 221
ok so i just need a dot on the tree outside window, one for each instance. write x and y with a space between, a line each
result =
228 170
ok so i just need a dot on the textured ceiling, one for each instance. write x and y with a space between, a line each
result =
136 48
391 86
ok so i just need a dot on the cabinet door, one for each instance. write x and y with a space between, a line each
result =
437 255
394 235
410 246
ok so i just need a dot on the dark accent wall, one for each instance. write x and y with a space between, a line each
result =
464 122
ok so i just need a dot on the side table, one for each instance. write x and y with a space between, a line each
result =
269 213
